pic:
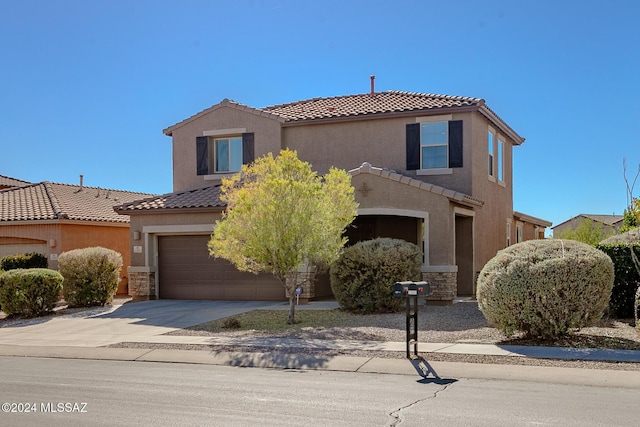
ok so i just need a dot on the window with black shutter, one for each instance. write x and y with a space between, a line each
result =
434 145
223 154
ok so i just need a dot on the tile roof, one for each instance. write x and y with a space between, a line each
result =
349 107
611 220
392 101
366 168
52 201
204 197
8 182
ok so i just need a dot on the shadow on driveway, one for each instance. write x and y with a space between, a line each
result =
180 313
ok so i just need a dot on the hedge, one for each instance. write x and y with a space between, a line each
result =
30 260
30 292
627 278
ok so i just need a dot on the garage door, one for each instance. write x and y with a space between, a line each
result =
185 271
18 249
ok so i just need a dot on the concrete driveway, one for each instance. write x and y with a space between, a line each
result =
134 321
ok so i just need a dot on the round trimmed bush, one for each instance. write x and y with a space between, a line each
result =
545 288
362 278
91 275
30 292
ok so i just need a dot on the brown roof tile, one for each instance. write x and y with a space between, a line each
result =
52 201
8 182
392 101
204 197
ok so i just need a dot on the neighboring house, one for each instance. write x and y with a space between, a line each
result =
610 223
434 170
51 218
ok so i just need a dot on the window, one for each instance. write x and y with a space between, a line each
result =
490 139
223 154
434 145
519 233
500 160
226 155
508 232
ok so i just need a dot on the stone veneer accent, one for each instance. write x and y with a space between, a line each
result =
142 285
307 279
443 285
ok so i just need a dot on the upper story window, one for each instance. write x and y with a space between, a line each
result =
226 155
434 143
491 138
434 146
500 160
223 154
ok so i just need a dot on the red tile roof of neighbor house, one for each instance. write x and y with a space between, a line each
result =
369 105
51 201
204 197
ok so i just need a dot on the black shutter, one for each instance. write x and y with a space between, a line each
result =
202 155
455 144
248 149
413 146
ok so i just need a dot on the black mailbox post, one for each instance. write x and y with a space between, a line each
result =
410 291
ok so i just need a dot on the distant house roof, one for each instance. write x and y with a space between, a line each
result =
611 220
8 182
531 219
350 107
52 201
199 198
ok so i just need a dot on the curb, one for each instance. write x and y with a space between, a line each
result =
424 371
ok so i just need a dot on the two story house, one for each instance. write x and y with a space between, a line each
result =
433 170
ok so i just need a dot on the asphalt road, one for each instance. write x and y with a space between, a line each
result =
107 393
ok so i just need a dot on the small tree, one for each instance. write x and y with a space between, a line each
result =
282 216
587 231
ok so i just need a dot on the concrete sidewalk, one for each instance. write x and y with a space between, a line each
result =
149 321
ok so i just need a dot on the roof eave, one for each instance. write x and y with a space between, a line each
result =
224 103
501 124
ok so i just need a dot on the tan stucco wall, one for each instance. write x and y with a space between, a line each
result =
386 193
382 143
491 219
266 132
173 223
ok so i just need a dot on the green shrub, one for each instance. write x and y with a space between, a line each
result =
91 275
545 288
30 292
626 279
30 260
362 278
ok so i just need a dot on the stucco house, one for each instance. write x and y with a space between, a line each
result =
610 223
51 218
434 170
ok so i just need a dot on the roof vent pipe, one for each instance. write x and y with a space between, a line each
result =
81 177
373 92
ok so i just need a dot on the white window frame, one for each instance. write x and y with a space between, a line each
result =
213 153
446 118
500 159
491 143
508 232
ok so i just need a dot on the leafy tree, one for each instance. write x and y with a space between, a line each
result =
282 216
631 218
587 231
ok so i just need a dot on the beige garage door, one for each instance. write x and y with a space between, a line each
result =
22 249
185 271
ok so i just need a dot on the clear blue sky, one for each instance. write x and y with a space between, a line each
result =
86 87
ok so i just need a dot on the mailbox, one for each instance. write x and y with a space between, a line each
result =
410 289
